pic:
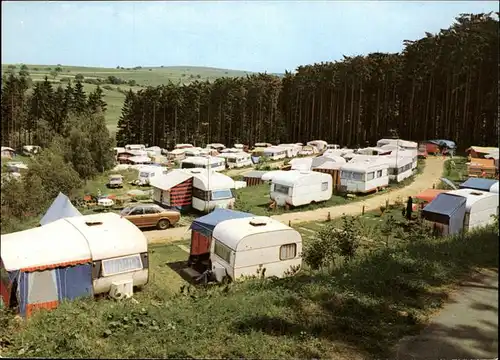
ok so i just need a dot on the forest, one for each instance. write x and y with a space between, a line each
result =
441 86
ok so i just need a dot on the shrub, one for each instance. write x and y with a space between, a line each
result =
79 77
107 87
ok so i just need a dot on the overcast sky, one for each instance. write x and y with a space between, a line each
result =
245 35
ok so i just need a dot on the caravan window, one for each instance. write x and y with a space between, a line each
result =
324 186
231 160
121 265
188 165
281 189
345 174
145 174
357 176
222 251
379 173
370 176
222 194
288 251
200 194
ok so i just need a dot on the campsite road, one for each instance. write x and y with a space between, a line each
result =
466 328
432 172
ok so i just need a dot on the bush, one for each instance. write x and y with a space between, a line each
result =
79 77
132 83
107 87
92 81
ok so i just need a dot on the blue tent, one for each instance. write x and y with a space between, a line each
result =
478 184
446 143
207 223
60 208
447 209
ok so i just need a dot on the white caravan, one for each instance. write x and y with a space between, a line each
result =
216 146
146 173
364 176
252 245
373 151
406 145
400 168
192 152
292 150
211 189
184 146
238 160
176 155
479 208
209 162
296 187
275 153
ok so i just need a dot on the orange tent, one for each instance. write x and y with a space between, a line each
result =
429 194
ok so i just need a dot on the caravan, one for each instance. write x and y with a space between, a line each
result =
209 162
211 190
146 173
298 188
246 246
480 207
364 176
275 153
238 160
399 168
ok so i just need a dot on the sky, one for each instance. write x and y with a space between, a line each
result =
271 36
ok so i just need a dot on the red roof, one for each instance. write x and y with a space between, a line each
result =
429 194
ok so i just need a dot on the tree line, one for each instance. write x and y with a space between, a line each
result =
440 86
70 128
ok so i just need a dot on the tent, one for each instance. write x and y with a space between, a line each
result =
448 210
44 265
202 229
429 194
478 184
60 208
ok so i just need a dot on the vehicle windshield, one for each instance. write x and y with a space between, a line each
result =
125 211
222 194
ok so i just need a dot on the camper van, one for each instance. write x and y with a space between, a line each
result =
211 190
275 153
146 173
364 176
214 163
318 144
192 152
238 160
245 246
399 168
296 187
373 151
480 207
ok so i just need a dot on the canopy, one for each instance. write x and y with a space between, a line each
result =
447 209
429 194
60 208
207 223
478 184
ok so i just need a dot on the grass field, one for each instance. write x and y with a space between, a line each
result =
146 76
356 310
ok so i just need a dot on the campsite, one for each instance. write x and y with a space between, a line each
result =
343 204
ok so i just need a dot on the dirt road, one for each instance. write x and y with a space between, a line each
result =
432 172
466 328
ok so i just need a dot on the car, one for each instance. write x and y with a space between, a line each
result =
149 215
115 181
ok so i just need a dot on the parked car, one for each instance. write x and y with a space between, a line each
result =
115 181
149 215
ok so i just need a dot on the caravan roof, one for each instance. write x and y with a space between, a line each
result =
328 162
273 150
46 246
365 166
478 184
237 155
232 232
445 204
295 177
203 160
60 208
169 180
109 235
208 222
205 179
400 142
472 196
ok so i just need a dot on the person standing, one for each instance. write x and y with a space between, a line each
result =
409 208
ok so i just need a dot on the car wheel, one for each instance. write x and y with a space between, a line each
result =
163 224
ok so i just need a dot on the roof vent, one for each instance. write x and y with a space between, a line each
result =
196 171
258 222
476 193
93 223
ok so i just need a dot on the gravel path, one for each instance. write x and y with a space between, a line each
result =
466 328
432 172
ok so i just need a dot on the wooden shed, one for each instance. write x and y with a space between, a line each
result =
481 168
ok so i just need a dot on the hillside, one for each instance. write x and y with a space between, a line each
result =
142 76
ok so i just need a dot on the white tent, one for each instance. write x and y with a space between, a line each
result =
61 208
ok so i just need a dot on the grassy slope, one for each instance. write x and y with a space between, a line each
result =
359 310
148 76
